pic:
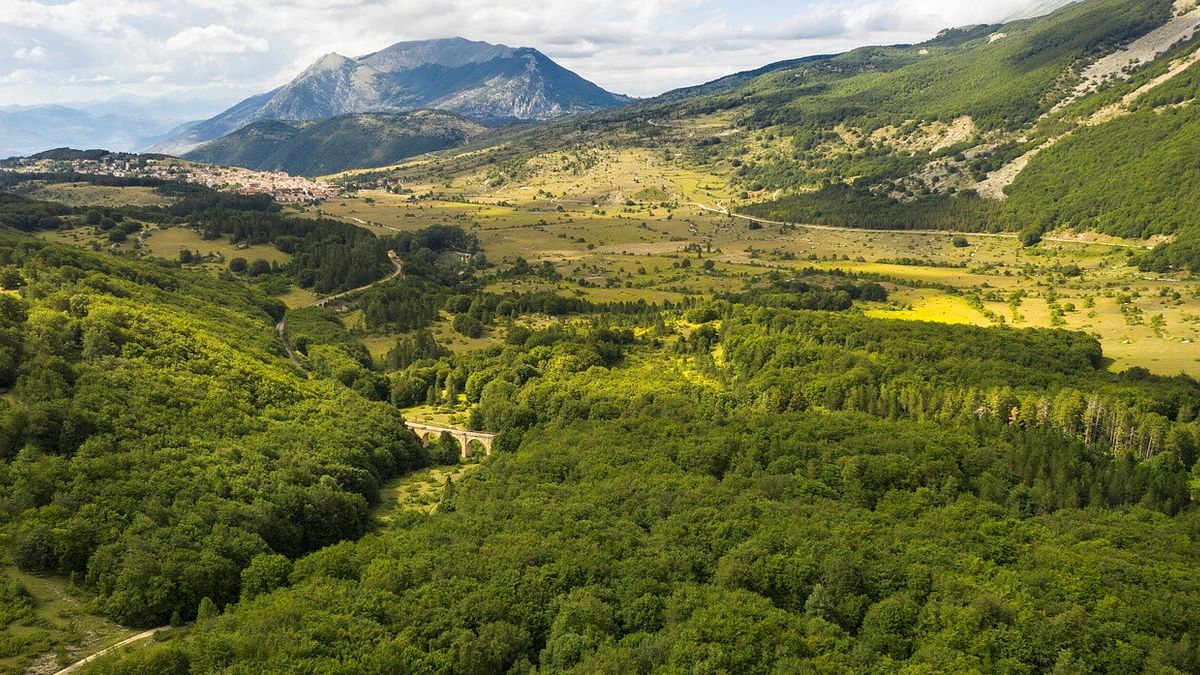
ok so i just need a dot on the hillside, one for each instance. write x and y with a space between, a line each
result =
487 83
160 406
355 141
1068 121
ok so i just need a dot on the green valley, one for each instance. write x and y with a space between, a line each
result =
885 361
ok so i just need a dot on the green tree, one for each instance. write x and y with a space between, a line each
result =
265 573
465 324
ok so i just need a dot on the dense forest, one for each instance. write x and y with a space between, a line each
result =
811 488
815 489
154 439
650 508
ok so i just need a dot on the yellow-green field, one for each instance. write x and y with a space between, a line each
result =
168 242
419 491
926 305
215 254
298 297
615 224
444 416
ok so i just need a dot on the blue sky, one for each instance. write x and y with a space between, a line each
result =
223 50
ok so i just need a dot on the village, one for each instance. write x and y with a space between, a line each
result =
283 187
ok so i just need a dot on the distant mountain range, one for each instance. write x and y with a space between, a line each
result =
26 130
489 84
354 141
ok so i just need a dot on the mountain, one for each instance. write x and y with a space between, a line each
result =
490 84
126 124
24 131
354 141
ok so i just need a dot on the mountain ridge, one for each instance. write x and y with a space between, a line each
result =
489 84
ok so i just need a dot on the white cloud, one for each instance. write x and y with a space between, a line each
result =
215 40
34 53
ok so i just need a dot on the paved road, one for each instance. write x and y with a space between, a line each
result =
136 638
399 270
281 325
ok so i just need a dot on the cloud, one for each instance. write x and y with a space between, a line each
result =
34 53
234 48
214 40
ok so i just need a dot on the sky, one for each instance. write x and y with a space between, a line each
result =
216 52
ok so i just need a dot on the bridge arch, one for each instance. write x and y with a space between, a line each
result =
473 446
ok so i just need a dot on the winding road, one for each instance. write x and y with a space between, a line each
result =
395 259
281 325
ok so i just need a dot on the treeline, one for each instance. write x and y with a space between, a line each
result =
797 294
327 255
1181 254
192 198
29 215
1029 378
851 206
10 179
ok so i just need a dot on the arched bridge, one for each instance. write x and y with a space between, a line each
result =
427 432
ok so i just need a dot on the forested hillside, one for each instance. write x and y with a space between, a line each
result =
155 439
357 141
1094 166
654 510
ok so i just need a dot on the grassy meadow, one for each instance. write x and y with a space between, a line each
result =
627 224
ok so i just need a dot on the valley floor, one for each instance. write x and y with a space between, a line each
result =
622 227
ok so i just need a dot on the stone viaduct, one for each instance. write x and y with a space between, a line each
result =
428 432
